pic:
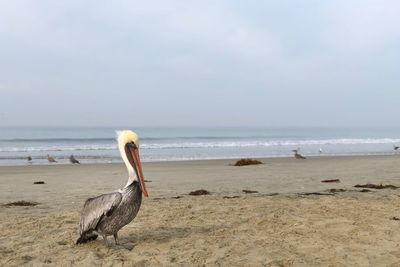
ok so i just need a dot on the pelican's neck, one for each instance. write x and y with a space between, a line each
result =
128 183
131 172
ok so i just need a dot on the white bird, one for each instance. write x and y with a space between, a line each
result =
108 213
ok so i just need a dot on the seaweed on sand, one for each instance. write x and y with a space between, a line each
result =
21 203
245 162
316 194
336 190
331 181
249 191
199 192
375 186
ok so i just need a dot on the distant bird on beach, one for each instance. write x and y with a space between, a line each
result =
29 159
73 160
51 159
297 155
108 213
396 147
320 151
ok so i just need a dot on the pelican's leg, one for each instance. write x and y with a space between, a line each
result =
105 240
116 238
128 246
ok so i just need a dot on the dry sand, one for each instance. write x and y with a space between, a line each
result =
288 229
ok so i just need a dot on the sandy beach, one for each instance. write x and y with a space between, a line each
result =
278 226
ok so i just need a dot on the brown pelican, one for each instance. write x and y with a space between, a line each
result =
73 160
51 159
297 155
108 213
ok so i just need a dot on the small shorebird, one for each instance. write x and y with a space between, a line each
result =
320 151
29 159
73 160
396 147
297 155
51 159
108 213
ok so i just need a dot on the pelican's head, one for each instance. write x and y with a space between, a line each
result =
128 143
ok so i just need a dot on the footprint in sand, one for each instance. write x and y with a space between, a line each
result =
62 243
27 258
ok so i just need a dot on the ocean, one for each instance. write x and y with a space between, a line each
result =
98 145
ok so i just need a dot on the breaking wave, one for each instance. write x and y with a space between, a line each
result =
196 144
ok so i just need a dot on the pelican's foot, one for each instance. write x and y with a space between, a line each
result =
128 246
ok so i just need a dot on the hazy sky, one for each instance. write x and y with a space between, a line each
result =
200 63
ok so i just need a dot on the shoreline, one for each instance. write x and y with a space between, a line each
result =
313 156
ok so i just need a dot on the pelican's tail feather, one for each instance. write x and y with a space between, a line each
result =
84 238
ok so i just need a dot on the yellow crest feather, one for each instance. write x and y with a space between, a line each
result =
127 136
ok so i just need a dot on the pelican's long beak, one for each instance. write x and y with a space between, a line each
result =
138 168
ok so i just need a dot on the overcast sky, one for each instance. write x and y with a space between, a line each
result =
200 63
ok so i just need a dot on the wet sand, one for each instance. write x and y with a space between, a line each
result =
275 227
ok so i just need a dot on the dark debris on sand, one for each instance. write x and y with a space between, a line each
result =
331 181
375 186
39 182
336 190
394 218
230 197
365 191
21 203
199 192
249 191
245 162
316 194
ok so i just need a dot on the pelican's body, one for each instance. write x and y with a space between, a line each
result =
125 212
108 213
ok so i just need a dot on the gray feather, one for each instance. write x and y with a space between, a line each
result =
96 208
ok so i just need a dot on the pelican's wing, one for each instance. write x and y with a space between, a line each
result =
95 208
